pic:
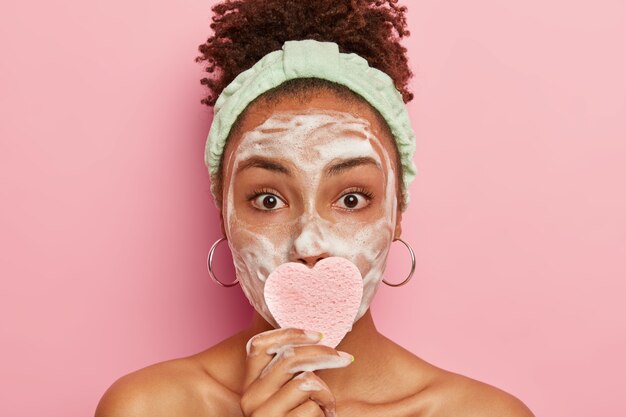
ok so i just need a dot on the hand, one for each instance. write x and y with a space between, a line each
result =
270 387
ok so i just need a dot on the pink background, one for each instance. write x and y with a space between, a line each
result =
517 215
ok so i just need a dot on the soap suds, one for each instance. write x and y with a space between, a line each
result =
285 351
323 362
309 384
310 141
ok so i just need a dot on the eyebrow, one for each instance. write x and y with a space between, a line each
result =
347 164
335 169
258 162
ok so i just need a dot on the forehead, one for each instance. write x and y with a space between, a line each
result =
313 133
296 125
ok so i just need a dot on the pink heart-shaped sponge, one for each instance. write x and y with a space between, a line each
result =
325 298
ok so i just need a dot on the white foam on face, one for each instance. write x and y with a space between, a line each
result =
309 141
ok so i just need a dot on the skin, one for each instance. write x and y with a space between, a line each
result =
252 372
309 162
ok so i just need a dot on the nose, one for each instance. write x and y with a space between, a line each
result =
311 243
310 261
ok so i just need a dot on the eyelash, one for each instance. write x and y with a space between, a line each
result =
255 193
359 190
355 190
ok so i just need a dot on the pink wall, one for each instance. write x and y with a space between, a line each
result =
517 216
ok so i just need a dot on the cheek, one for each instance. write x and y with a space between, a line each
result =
365 244
256 250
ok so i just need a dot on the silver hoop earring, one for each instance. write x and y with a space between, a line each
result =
412 266
210 265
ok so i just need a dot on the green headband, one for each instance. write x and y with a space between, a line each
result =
312 59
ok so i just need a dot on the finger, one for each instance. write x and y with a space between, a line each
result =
293 359
257 348
289 361
308 409
301 388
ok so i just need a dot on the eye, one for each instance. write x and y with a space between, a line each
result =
354 200
267 201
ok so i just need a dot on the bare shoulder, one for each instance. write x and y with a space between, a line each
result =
458 395
180 387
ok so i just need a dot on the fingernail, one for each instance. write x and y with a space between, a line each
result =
313 335
346 355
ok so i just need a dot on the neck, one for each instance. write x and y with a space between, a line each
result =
364 342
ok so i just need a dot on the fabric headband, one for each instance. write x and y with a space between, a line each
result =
312 59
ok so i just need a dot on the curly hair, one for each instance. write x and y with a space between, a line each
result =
247 30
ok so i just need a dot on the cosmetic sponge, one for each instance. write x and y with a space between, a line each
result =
325 298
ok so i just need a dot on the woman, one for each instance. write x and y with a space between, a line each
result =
310 155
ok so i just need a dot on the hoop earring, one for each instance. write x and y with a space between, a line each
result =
210 265
412 266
